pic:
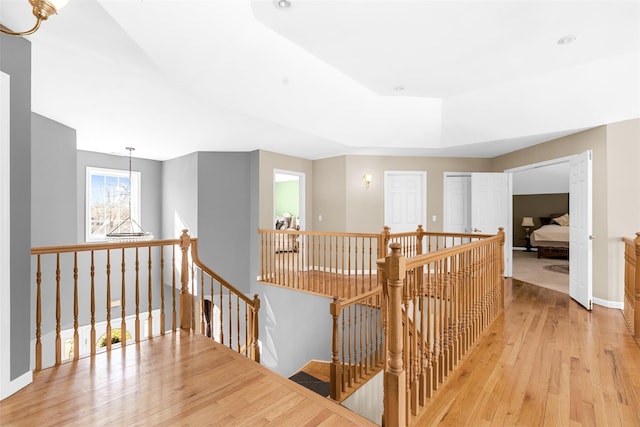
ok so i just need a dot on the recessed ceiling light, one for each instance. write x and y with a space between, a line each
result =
282 4
567 39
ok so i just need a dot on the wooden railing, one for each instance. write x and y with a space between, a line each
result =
632 284
437 306
357 350
83 295
339 264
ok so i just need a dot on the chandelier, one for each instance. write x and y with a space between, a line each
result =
129 230
42 9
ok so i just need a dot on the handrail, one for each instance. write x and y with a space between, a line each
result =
631 309
84 291
337 263
437 306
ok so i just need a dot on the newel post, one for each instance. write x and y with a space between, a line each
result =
383 242
335 369
636 308
255 324
419 237
394 377
186 299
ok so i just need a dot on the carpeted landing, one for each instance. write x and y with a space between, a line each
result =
311 382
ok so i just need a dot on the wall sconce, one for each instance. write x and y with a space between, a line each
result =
527 223
367 179
41 9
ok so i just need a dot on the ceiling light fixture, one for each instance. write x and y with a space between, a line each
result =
567 39
282 4
42 9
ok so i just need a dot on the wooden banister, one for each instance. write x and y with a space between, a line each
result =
437 306
73 278
631 309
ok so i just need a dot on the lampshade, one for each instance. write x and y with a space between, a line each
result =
527 221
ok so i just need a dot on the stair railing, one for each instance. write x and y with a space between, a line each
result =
439 303
95 297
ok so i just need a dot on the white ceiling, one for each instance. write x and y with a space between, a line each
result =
324 78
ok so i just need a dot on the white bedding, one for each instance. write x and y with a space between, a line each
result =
551 235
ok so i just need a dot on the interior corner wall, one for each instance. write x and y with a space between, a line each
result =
180 196
15 60
151 192
623 203
223 215
596 140
53 201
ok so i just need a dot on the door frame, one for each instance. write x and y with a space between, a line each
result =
423 183
301 194
565 159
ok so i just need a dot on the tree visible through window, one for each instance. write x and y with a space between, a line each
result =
111 200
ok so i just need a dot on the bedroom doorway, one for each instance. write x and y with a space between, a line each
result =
570 176
289 195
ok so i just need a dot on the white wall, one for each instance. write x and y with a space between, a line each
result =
549 179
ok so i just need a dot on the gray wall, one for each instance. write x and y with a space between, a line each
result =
53 200
15 60
295 327
180 196
223 215
151 190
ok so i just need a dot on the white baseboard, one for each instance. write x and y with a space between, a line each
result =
609 304
18 384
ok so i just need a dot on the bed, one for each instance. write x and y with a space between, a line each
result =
552 239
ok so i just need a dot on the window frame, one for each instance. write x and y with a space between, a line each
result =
136 196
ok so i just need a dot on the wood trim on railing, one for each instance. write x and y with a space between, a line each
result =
631 309
76 280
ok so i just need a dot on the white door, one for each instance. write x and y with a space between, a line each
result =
580 230
457 203
405 200
491 208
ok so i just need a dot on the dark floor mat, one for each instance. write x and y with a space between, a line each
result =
311 382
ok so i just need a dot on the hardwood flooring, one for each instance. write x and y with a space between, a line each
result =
178 379
545 362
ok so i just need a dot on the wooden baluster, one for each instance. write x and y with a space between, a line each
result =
636 309
58 312
202 305
76 335
394 377
335 370
123 298
221 316
39 315
137 289
173 289
238 322
255 336
108 302
186 298
150 296
92 335
162 316
350 345
230 320
192 292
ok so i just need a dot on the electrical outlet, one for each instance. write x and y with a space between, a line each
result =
433 218
115 303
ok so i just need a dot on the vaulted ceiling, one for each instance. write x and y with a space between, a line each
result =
323 78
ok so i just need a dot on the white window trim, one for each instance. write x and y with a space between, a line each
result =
136 199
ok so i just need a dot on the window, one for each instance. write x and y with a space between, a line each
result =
111 201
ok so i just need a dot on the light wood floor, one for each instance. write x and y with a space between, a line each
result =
179 379
545 362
